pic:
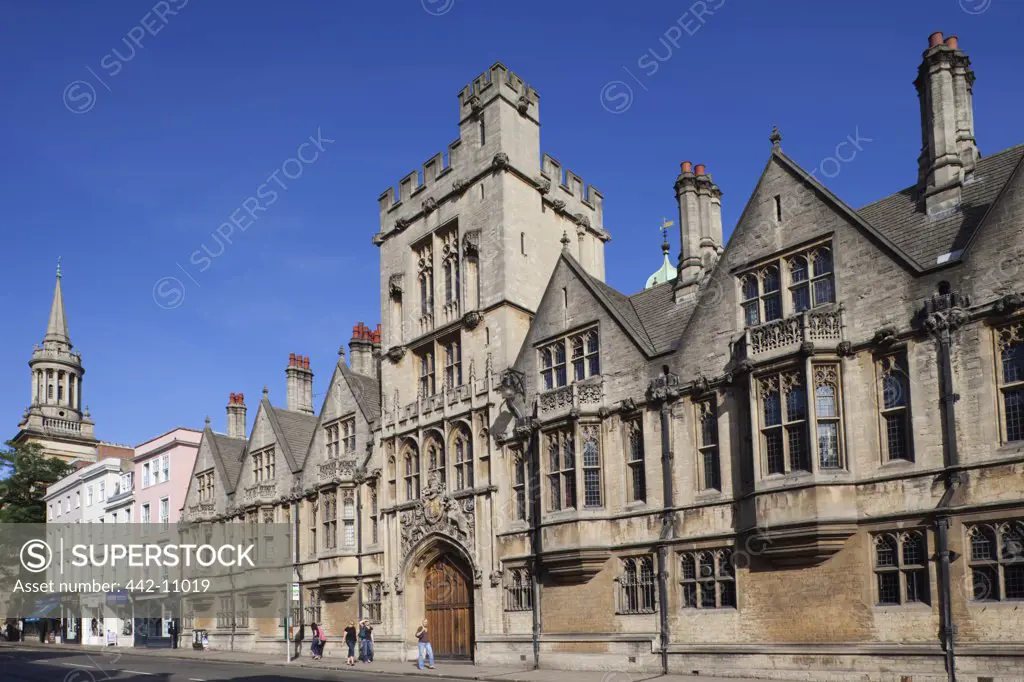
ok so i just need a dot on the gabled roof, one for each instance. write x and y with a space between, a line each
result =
615 302
294 432
366 391
926 239
652 318
227 457
838 204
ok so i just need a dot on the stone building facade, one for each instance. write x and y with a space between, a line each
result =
801 456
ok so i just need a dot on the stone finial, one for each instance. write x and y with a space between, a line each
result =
266 392
565 240
207 421
776 138
341 351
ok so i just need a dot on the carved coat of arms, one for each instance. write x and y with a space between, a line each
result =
437 512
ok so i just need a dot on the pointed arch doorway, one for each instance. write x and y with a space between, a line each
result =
448 608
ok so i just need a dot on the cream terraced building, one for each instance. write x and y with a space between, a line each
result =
800 456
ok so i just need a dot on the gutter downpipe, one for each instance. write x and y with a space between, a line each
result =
667 530
954 478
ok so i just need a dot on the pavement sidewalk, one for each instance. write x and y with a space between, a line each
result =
464 671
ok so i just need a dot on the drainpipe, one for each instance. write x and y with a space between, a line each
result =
359 554
301 625
533 459
944 316
667 530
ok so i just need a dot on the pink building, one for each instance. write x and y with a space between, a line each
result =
163 466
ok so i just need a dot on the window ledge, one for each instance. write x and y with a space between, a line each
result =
1003 604
638 504
897 464
911 607
636 613
724 610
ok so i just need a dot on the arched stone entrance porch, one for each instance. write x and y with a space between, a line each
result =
439 588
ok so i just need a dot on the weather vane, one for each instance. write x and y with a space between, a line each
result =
665 224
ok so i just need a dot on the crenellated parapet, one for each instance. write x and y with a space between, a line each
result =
498 82
568 194
431 175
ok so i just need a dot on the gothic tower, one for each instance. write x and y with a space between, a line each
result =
55 417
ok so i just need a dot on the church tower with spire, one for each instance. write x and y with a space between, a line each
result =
56 417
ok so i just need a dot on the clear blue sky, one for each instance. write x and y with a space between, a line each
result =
207 108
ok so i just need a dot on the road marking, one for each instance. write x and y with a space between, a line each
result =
136 672
195 679
78 665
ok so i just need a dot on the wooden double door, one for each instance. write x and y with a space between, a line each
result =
448 603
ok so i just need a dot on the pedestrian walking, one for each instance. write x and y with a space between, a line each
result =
423 644
172 630
319 639
351 636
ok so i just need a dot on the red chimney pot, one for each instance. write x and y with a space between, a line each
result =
305 362
698 169
935 39
241 398
686 167
231 399
951 42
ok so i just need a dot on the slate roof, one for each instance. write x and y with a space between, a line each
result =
227 457
925 239
661 316
652 317
295 432
366 391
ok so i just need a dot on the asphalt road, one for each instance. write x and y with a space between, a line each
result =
61 665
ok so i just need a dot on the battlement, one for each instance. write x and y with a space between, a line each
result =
434 169
570 184
497 82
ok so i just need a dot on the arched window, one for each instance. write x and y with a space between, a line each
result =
771 299
799 288
519 590
435 458
751 307
392 475
462 446
901 568
348 518
547 367
637 589
822 282
411 462
708 580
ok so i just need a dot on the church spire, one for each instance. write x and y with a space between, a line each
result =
57 328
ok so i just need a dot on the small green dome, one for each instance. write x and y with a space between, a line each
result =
665 273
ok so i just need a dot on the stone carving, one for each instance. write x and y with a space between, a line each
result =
556 400
523 104
581 220
941 320
807 348
628 405
471 244
544 185
590 394
401 224
701 385
500 161
395 353
398 585
1008 304
459 186
496 578
664 387
478 577
825 325
558 205
377 239
437 512
474 103
395 285
471 319
844 349
885 336
774 335
429 205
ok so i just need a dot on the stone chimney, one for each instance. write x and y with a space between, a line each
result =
376 352
236 415
360 350
709 201
299 384
948 150
688 196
